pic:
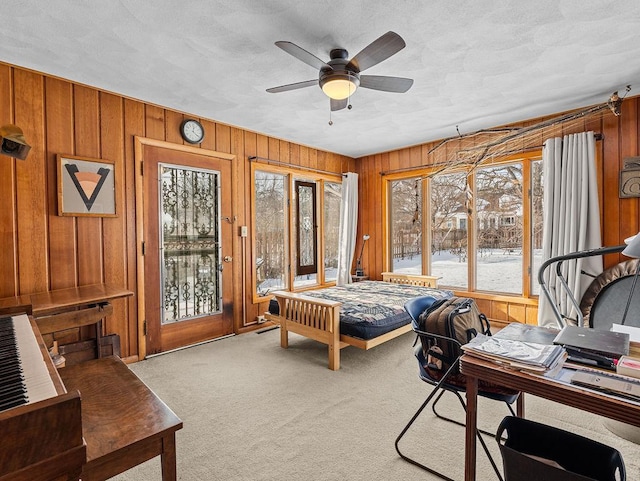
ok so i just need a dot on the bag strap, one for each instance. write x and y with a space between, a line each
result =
485 324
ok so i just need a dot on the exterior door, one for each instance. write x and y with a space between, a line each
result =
187 248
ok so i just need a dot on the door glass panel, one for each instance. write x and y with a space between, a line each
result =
190 242
306 226
306 230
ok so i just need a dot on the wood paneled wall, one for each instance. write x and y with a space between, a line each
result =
620 219
41 251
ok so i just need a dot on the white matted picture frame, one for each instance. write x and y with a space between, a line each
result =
86 186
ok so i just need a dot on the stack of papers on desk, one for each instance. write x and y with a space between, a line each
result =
524 356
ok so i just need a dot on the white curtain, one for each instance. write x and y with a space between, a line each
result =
571 220
348 227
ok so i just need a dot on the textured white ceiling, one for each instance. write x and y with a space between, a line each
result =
476 63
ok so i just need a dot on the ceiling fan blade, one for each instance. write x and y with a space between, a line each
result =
377 51
338 104
295 86
387 84
302 54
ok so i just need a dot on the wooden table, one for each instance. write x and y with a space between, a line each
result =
123 422
587 400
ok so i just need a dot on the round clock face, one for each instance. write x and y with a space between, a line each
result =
192 131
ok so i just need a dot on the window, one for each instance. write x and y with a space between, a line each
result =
271 227
406 225
448 242
499 249
536 224
332 197
484 228
295 236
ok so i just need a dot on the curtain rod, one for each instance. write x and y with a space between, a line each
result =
255 158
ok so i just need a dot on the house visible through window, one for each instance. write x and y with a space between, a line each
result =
483 231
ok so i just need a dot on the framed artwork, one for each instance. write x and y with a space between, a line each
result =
86 187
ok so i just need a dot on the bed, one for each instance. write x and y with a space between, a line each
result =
363 314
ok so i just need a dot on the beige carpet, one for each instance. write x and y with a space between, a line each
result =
254 411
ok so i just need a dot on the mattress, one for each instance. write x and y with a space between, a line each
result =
371 308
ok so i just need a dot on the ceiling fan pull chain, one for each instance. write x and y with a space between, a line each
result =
330 121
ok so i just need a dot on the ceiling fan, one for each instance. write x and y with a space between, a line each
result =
340 77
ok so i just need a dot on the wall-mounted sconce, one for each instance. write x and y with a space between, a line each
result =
12 142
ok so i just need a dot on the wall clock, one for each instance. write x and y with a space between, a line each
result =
192 131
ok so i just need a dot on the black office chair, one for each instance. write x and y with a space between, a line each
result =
451 381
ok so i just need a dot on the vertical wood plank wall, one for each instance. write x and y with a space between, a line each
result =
620 217
41 251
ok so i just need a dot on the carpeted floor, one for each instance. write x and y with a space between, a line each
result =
253 411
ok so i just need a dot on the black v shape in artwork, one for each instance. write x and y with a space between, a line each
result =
72 169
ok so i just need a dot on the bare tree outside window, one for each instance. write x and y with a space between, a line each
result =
270 231
406 225
499 214
537 188
501 199
448 220
332 197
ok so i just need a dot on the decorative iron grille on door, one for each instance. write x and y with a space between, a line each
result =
307 228
190 247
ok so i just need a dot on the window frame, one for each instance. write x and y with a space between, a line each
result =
293 176
313 267
426 173
254 268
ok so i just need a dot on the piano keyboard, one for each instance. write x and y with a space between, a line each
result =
24 377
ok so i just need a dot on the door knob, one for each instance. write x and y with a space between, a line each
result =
227 258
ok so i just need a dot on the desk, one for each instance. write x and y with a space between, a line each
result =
591 401
123 422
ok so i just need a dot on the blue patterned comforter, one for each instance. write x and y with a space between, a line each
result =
371 308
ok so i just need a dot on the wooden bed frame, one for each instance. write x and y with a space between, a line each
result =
411 279
319 319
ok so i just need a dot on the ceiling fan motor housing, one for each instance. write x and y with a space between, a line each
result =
340 71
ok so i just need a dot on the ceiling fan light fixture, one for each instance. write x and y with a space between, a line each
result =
339 87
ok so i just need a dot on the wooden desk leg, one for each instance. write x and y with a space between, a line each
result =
470 431
168 458
520 405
